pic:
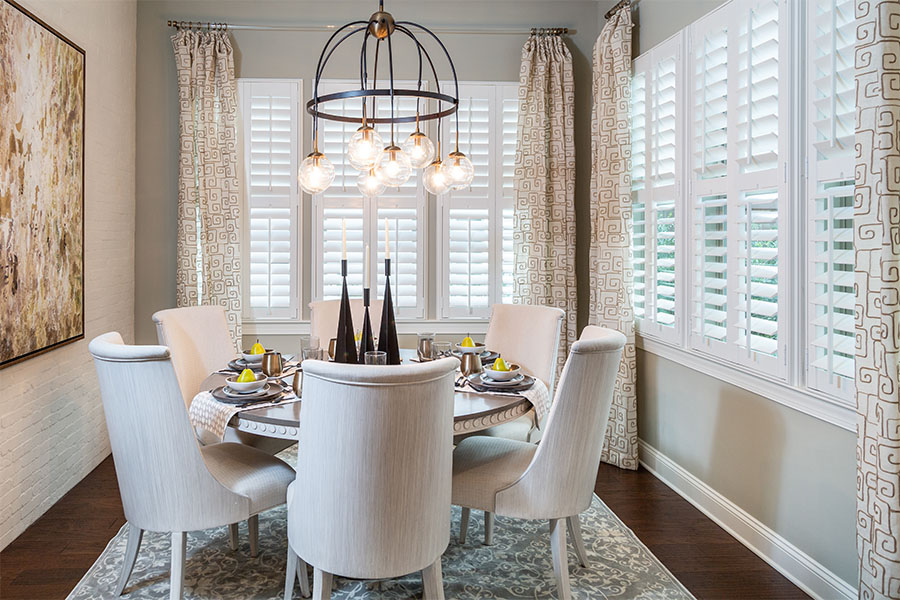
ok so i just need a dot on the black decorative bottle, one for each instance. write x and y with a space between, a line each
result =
387 336
345 346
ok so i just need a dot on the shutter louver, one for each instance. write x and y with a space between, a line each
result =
333 219
403 225
756 281
830 188
469 262
711 269
270 131
638 246
638 180
710 107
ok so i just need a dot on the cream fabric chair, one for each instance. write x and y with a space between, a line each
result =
553 480
200 343
323 317
372 497
528 336
167 482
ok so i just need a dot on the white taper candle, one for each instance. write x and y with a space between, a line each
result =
344 238
387 240
366 268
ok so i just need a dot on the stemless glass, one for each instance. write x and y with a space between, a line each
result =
272 364
312 353
442 350
376 357
425 346
332 344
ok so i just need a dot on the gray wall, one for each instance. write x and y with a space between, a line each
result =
791 471
293 54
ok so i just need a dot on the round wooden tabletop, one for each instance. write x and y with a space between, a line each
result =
471 412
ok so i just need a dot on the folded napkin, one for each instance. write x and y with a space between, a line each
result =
537 394
213 416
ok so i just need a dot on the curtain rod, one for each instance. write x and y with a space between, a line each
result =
619 5
445 30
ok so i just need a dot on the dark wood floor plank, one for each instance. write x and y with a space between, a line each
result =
52 555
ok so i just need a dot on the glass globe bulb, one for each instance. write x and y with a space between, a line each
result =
419 149
369 184
364 147
460 171
436 181
393 167
316 173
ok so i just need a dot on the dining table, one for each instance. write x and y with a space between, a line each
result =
472 411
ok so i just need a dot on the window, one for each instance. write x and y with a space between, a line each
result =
767 285
656 111
271 249
475 224
403 209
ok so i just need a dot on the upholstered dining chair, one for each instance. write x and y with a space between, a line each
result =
323 317
527 335
200 343
372 497
555 479
168 482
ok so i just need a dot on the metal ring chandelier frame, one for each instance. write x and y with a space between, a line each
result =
381 27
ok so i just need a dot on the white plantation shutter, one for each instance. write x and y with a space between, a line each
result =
475 228
738 190
403 207
656 184
831 110
271 130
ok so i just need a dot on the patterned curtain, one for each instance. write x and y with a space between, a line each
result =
208 270
612 275
877 241
544 231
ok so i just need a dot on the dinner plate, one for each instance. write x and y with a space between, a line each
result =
239 364
488 381
263 391
220 395
477 384
487 357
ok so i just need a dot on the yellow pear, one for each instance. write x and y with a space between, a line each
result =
246 376
500 364
468 343
257 349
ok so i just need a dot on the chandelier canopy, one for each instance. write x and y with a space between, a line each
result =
387 165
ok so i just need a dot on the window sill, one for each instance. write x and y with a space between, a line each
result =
407 326
817 405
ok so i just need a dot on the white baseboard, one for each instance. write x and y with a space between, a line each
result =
806 573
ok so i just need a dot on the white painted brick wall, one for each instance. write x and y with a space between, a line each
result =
52 429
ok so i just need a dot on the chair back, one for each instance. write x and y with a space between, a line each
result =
200 343
323 317
163 481
372 495
559 482
527 335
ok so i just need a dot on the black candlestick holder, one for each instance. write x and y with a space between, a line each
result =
367 341
387 336
345 346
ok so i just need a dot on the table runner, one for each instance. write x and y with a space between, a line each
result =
537 394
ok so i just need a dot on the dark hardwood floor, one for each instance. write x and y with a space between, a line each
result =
49 558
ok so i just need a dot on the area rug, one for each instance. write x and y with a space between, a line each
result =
517 565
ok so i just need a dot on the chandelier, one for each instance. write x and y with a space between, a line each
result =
381 164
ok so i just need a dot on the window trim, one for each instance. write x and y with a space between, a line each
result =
793 389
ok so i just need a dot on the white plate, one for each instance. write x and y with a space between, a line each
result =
485 380
265 390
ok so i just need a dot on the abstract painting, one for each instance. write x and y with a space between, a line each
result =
41 187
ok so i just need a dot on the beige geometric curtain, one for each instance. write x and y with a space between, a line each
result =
544 221
612 275
877 243
208 251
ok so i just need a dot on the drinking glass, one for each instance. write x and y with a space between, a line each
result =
376 357
312 353
314 342
332 343
442 350
272 364
425 346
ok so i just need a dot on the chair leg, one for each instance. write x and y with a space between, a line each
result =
321 584
253 531
560 558
463 525
233 536
433 582
488 528
290 574
176 578
573 524
303 576
131 551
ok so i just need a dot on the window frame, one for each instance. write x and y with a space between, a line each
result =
791 387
